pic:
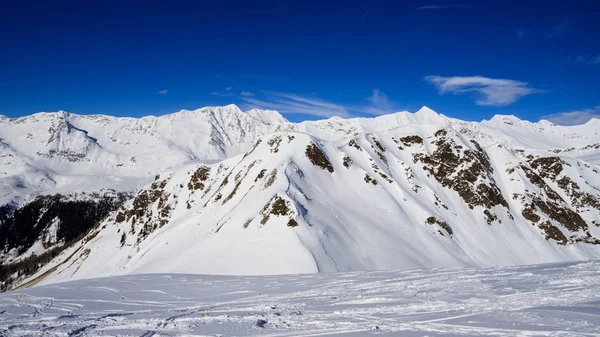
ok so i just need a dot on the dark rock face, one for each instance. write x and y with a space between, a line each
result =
410 140
542 171
317 157
549 167
57 220
466 171
279 207
140 213
21 227
199 177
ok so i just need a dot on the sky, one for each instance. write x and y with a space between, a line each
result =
308 60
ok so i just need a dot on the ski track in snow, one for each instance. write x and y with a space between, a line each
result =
541 300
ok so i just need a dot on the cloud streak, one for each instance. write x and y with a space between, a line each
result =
294 104
574 117
162 92
434 7
588 59
246 94
222 94
488 91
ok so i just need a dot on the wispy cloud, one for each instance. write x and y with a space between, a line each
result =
556 30
364 16
521 33
246 94
380 104
442 6
588 59
295 104
225 93
162 92
574 117
221 94
489 91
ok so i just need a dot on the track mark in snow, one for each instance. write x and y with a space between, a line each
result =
544 300
80 331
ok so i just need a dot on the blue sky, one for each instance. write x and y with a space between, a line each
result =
309 60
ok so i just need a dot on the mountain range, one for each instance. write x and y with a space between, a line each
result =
222 191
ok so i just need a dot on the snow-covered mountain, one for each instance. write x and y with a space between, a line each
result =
68 152
222 191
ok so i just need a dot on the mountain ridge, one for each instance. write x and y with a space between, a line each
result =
399 191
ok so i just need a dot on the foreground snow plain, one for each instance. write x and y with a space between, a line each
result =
540 300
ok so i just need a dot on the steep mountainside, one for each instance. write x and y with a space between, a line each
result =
250 193
62 151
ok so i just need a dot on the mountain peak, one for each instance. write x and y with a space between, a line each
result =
506 119
427 115
270 117
425 110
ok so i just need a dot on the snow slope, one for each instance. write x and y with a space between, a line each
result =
412 197
542 300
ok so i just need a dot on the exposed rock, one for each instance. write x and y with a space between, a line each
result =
378 144
198 178
410 140
235 188
271 179
490 217
347 161
443 224
260 175
275 206
317 157
548 167
368 179
274 143
56 221
468 172
553 233
355 145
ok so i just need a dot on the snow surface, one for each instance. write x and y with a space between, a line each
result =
541 300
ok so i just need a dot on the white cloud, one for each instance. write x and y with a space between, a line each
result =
162 92
574 117
380 104
295 104
442 6
489 91
246 94
228 89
